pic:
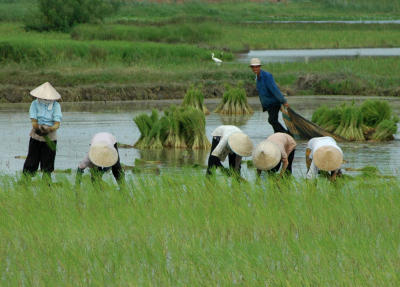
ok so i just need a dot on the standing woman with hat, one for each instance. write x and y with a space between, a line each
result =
271 97
103 155
228 141
45 114
278 149
323 153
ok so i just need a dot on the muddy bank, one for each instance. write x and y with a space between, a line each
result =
305 85
13 94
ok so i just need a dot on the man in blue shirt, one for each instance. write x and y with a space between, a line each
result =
271 97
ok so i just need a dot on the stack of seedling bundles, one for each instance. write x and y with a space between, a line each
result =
180 127
234 101
373 120
195 98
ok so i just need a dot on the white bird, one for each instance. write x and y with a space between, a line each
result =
216 60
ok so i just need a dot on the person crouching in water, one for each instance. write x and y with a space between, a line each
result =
278 149
103 155
323 154
232 142
45 114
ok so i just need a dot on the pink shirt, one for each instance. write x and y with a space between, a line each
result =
285 143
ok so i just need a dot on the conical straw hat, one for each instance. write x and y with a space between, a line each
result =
328 158
266 155
46 92
103 155
240 144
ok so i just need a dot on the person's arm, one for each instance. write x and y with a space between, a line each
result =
335 174
308 159
273 88
81 168
78 176
312 171
285 164
47 129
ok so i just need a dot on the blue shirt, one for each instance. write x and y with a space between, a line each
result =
40 112
268 91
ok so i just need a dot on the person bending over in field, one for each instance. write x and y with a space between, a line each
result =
278 149
323 155
271 97
232 142
103 155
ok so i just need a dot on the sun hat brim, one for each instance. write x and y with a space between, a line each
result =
266 155
328 158
103 155
46 92
240 144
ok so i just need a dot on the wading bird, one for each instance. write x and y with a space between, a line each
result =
216 60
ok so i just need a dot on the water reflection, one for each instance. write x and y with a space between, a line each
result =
236 120
174 157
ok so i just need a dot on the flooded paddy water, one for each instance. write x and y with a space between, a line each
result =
82 120
305 55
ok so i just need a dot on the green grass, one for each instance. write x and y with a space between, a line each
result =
235 37
182 230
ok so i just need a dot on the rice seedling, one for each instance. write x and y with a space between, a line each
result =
234 101
350 126
145 124
194 124
180 229
358 123
385 130
195 98
179 127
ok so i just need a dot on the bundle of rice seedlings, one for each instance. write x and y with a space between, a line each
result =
350 126
176 130
194 124
385 130
157 134
195 98
145 124
375 111
234 101
328 119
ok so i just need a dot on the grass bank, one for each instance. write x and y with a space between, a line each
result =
180 230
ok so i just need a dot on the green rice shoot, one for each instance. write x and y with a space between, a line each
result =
234 101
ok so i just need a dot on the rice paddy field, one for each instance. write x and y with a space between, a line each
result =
170 225
182 229
150 44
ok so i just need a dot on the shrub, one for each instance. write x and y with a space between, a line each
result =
61 15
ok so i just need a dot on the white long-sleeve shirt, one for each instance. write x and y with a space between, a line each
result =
313 145
105 138
222 149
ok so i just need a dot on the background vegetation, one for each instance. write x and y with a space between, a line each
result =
160 44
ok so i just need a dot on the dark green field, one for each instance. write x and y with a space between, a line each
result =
151 46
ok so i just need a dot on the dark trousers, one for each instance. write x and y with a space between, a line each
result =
273 113
289 167
39 153
214 162
116 169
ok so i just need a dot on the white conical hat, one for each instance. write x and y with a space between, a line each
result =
103 155
328 158
240 144
266 155
46 92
